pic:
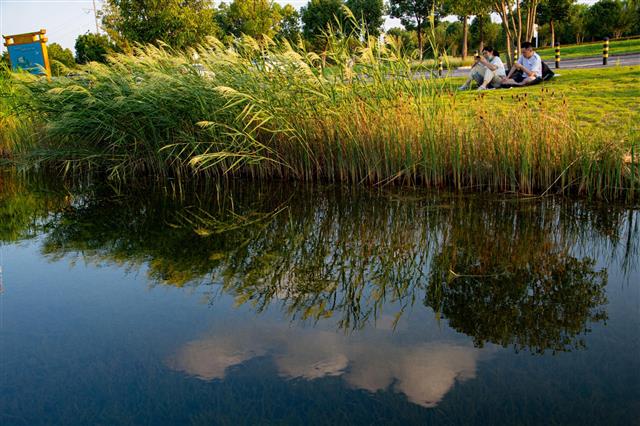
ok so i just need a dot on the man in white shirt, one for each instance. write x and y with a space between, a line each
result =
527 70
487 71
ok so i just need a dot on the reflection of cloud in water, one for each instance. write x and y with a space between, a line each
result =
311 354
424 372
209 358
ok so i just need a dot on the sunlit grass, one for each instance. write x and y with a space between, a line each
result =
595 97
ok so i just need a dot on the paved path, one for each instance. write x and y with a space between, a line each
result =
580 63
596 61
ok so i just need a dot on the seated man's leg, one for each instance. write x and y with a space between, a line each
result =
515 80
530 80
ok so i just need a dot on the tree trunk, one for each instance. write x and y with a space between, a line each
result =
553 33
510 60
419 30
503 10
532 10
465 37
519 27
481 32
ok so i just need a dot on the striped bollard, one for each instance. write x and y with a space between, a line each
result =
515 55
557 55
440 66
605 51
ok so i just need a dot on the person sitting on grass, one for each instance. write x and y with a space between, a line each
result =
488 71
527 70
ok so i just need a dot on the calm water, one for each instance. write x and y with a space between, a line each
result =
256 304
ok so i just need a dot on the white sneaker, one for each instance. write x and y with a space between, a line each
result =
463 87
482 88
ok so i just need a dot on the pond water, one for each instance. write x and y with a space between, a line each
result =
247 303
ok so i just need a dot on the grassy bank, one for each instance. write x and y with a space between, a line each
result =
596 98
271 112
616 47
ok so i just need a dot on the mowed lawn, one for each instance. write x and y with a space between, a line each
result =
592 49
602 99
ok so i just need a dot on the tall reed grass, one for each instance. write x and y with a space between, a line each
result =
268 110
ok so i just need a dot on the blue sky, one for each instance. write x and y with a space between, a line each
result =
65 20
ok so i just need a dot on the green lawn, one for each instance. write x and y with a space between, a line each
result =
599 98
591 49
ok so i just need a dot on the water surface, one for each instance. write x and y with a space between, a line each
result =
245 303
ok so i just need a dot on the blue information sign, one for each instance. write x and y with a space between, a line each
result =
27 57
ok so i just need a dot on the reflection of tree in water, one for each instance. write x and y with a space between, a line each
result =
508 277
507 272
25 205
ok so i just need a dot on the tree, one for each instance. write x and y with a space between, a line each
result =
577 21
636 5
629 17
453 35
552 11
464 9
289 25
370 12
532 15
178 23
255 18
604 19
317 15
407 39
414 14
484 32
61 59
93 48
510 12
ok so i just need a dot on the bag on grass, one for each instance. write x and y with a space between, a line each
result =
547 74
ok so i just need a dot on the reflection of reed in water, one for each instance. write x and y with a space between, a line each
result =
350 255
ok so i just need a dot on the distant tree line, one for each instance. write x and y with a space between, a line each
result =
184 23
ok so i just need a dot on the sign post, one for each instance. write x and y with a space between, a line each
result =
29 52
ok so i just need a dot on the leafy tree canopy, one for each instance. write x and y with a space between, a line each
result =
93 48
370 12
254 18
318 14
556 10
603 17
414 14
289 27
178 23
61 59
466 7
